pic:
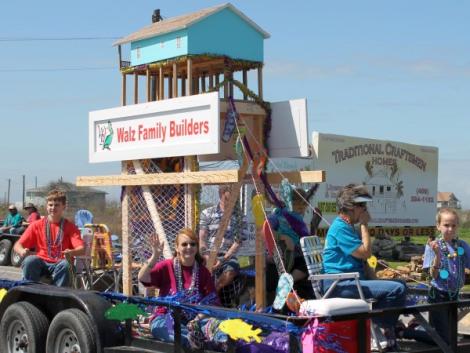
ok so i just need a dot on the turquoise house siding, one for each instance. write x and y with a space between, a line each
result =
225 33
221 33
159 48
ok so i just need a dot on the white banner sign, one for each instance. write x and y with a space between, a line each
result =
402 178
173 127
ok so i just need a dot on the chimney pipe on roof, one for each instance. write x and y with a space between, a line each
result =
156 16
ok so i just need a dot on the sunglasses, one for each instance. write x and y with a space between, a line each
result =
192 244
361 204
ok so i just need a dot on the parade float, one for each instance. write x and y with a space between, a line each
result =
194 112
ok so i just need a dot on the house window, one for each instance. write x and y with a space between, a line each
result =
137 53
389 188
178 42
381 189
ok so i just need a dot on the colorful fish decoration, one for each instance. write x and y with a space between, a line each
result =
124 311
3 292
238 329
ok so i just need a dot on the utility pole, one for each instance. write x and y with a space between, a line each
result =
35 182
24 190
8 191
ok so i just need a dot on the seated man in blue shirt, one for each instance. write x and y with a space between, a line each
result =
347 249
12 222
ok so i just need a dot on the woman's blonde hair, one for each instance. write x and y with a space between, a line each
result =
191 235
448 211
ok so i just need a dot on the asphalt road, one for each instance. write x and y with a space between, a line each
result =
10 272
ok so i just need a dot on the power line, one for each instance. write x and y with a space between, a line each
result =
37 39
59 69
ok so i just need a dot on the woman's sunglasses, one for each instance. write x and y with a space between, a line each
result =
192 244
361 204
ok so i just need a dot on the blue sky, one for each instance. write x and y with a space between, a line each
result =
394 70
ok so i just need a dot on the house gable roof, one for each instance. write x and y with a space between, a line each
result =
446 197
184 21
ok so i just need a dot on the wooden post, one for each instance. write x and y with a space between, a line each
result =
260 82
260 269
231 93
155 87
245 83
196 84
189 209
189 77
203 83
170 86
124 90
161 85
183 85
126 251
211 82
136 88
175 80
226 77
148 85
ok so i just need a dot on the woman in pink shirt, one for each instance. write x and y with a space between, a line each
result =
184 275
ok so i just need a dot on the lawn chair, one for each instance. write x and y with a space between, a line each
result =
96 269
312 250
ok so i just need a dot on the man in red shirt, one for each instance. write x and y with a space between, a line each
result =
53 238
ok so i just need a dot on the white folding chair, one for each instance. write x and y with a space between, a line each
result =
312 250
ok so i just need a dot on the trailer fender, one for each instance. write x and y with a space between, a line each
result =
51 300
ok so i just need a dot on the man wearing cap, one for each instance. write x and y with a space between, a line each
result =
347 249
12 221
33 215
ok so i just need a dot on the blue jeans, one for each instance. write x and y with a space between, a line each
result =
162 329
387 294
438 317
34 268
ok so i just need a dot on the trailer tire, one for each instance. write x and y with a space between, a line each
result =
71 331
23 329
15 259
5 250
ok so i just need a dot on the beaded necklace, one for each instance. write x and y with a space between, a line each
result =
54 248
194 286
451 265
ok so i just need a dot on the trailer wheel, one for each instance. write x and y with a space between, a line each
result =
23 329
5 249
71 331
15 258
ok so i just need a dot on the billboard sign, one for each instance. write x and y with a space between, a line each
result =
401 177
182 126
